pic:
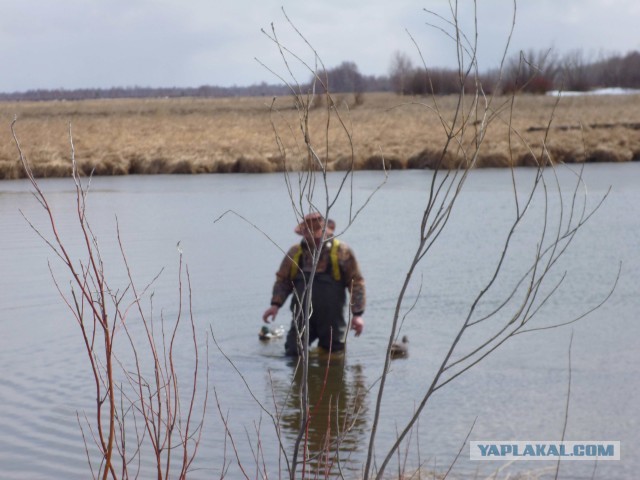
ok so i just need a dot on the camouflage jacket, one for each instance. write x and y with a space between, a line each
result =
349 273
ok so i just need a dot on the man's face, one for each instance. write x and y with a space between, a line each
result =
311 235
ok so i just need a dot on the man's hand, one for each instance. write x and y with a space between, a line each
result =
357 324
270 314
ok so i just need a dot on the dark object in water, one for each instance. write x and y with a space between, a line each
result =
400 350
267 333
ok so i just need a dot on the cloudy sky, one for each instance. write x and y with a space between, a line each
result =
187 43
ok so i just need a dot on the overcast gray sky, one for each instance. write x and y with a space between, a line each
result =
187 43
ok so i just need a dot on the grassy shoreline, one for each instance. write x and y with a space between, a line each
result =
188 135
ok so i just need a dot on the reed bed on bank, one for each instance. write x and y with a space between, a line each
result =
151 136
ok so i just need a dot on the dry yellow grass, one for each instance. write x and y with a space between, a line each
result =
116 137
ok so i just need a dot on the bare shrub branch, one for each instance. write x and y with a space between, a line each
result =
134 411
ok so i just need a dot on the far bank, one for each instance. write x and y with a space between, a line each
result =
258 134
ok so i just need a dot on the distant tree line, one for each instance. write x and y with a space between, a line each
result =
205 91
346 78
532 72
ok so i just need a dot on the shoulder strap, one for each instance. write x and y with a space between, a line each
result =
333 254
334 260
294 264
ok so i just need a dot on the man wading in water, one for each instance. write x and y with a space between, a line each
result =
337 272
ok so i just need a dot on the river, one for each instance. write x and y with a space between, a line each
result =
519 392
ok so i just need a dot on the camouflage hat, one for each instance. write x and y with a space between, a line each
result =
313 222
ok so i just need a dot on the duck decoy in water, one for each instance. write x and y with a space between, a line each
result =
267 333
400 350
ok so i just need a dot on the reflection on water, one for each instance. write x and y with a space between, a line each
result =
338 414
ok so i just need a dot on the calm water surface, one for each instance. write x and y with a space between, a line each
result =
518 393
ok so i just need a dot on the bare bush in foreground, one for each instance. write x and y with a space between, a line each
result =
142 408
